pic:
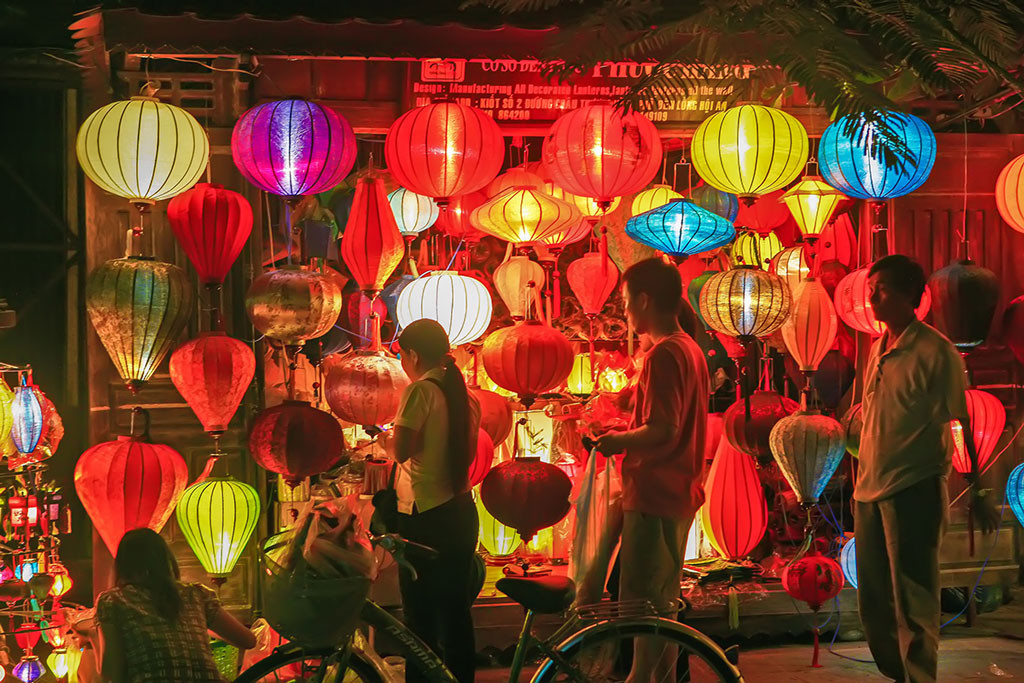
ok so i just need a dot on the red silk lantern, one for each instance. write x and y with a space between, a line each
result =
129 483
454 219
483 459
526 494
735 512
592 279
495 414
766 213
750 433
810 330
371 246
837 243
814 579
445 149
295 440
212 374
356 312
365 388
527 359
596 151
965 297
27 637
853 304
1013 327
988 419
212 225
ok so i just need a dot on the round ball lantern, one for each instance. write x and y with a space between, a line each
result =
791 265
523 215
445 149
749 150
218 517
681 228
1010 193
293 147
527 359
814 579
495 414
516 281
514 177
212 225
756 249
848 561
812 202
212 373
1015 492
851 158
293 304
455 221
142 149
853 304
460 303
139 308
745 302
1013 327
735 512
853 423
597 151
812 325
413 212
26 417
371 245
295 440
724 204
592 278
526 494
988 419
365 388
750 431
964 300
482 460
652 198
807 447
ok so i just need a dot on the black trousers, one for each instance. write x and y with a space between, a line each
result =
438 605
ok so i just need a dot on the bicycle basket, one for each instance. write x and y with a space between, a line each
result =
309 611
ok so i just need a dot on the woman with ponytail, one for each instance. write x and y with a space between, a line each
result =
434 444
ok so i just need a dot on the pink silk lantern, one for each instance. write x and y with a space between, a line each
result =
366 387
371 246
735 512
212 373
592 279
212 225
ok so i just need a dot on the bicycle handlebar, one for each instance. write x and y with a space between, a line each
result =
396 546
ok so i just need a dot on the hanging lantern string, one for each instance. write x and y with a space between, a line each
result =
965 246
455 253
664 169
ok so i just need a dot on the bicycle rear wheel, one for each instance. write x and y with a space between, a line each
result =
296 665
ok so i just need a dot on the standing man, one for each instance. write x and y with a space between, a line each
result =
913 387
661 473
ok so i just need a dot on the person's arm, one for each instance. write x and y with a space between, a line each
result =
111 653
664 383
412 415
404 444
231 630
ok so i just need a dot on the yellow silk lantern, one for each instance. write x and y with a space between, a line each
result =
6 419
513 280
581 378
218 516
497 539
659 195
753 249
142 149
745 302
791 265
812 202
58 663
588 206
524 215
612 380
749 150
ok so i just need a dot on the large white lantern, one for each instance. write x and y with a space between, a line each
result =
461 304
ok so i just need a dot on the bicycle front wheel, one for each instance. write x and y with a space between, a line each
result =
296 665
651 649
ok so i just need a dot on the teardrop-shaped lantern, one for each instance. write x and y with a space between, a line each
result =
293 304
26 417
371 245
680 228
735 513
138 308
212 225
812 202
218 517
295 440
964 300
523 215
527 359
745 302
808 448
724 204
413 212
853 304
1010 193
365 388
526 494
592 279
756 249
212 373
652 198
460 303
988 420
791 265
810 330
513 280
750 432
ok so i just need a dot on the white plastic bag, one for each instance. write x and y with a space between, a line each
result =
598 501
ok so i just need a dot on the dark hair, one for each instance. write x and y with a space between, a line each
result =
429 340
658 280
688 319
905 273
145 561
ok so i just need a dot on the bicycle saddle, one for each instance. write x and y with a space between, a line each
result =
541 594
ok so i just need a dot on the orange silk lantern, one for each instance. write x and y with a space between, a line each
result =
293 304
212 225
791 265
371 246
295 440
988 419
517 281
853 304
527 359
522 215
212 374
735 512
810 330
526 494
750 432
366 387
1010 193
592 279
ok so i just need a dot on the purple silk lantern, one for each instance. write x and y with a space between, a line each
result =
293 147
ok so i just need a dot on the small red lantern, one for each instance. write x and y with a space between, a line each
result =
365 388
371 246
592 279
527 495
454 220
212 373
735 512
527 359
988 419
483 459
27 637
853 304
212 225
495 414
749 432
295 440
815 580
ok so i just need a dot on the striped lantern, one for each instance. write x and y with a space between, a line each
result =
1015 492
6 419
724 204
293 304
745 302
853 304
460 303
964 301
988 419
808 447
756 249
680 228
512 279
812 325
413 212
735 512
791 265
589 207
212 225
365 388
812 202
218 517
498 540
1010 193
592 279
371 245
26 417
569 234
749 430
523 215
295 440
212 373
528 359
652 198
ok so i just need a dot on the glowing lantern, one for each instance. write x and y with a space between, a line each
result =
1015 492
218 517
483 459
848 561
596 151
1010 193
6 419
515 177
588 206
413 212
581 377
838 243
460 303
812 202
853 423
128 484
293 304
724 204
652 198
138 308
524 216
791 265
455 221
495 414
528 358
749 150
750 431
142 149
497 539
26 418
445 149
735 513
28 669
853 303
569 234
612 380
680 228
212 225
851 158
62 582
808 448
810 330
526 494
27 636
293 147
755 249
295 440
745 302
371 245
813 579
964 301
592 279
762 214
988 418
366 387
58 662
517 281
212 373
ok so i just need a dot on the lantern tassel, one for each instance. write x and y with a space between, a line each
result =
733 601
817 649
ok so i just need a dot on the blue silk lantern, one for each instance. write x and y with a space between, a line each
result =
28 669
848 561
26 570
851 160
1015 492
27 418
724 204
680 228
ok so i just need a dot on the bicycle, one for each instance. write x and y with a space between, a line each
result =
593 644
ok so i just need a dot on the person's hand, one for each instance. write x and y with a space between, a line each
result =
983 507
609 444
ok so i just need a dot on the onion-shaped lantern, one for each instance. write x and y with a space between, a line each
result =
460 303
680 228
597 151
749 431
1010 193
212 373
138 308
853 304
517 280
853 423
808 448
526 494
366 387
810 330
749 150
212 225
482 459
495 414
850 155
988 419
515 177
413 212
28 669
1015 492
522 215
445 149
848 561
293 304
652 198
791 265
592 279
815 579
218 517
142 149
295 440
455 221
812 202
527 359
735 513
293 147
371 245
724 204
756 249
964 300
498 540
26 417
745 302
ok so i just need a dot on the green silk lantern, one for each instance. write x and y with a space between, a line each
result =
218 516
